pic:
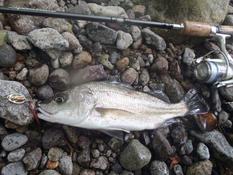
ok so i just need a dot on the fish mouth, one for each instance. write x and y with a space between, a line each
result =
43 112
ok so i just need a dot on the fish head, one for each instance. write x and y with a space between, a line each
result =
57 110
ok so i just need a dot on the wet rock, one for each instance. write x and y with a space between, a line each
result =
81 60
74 43
227 93
59 24
84 157
188 56
113 11
16 155
100 163
101 33
200 168
178 170
59 79
55 154
43 161
49 172
18 114
179 134
7 56
124 40
122 63
38 76
44 4
71 133
144 77
52 138
52 165
129 76
88 74
217 142
203 151
187 148
66 165
173 89
22 75
87 172
159 168
13 141
22 24
32 159
160 65
139 10
14 169
135 156
47 38
153 39
45 93
66 59
161 146
19 42
104 60
135 32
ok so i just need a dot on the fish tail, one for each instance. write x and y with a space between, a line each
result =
195 103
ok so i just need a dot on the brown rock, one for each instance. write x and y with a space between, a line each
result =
200 168
82 60
122 64
52 164
139 10
160 65
129 76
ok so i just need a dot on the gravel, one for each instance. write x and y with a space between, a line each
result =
159 168
32 159
66 165
38 76
14 169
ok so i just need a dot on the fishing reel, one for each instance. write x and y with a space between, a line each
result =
216 71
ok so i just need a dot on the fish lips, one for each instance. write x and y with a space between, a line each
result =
42 111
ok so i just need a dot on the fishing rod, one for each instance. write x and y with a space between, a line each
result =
187 28
207 68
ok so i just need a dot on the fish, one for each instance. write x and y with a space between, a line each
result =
110 106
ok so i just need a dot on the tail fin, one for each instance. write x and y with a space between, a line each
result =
195 103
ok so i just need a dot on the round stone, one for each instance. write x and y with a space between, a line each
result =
59 79
38 76
16 155
13 141
7 56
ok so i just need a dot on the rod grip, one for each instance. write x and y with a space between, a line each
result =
226 30
197 29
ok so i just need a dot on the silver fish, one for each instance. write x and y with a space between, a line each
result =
111 106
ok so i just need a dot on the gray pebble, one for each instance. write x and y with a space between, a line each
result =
59 79
124 40
71 133
32 159
101 33
13 141
100 163
135 32
55 154
129 76
153 39
114 57
19 42
144 77
66 165
66 59
84 157
16 168
22 75
47 38
135 156
200 168
59 24
159 168
87 172
203 151
16 155
95 153
43 161
178 170
187 148
49 172
188 56
45 93
7 56
38 76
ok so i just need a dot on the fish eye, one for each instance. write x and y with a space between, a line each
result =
60 98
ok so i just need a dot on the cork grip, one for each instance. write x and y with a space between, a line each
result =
226 30
196 29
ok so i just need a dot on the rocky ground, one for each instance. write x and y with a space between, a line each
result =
50 55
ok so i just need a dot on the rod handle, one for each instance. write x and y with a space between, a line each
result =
197 29
226 29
